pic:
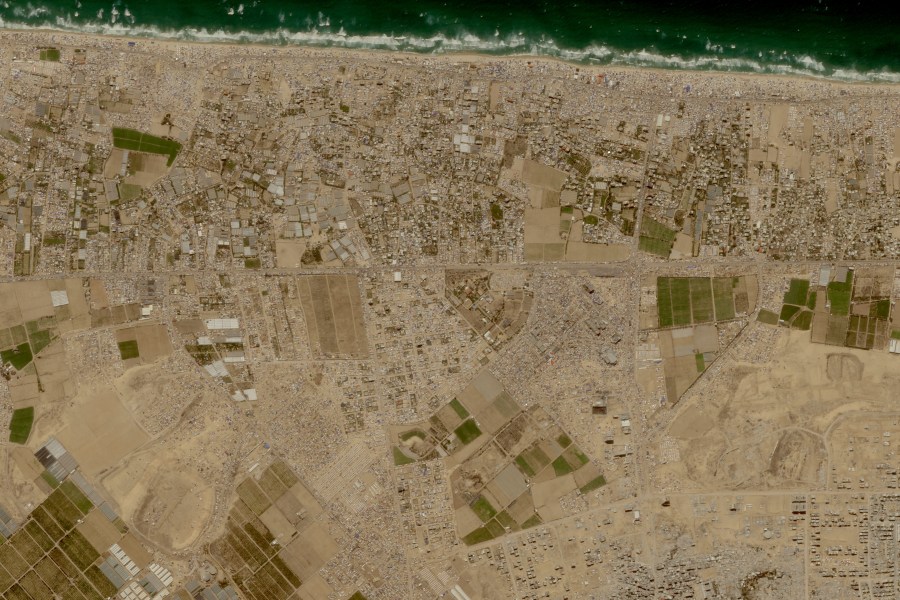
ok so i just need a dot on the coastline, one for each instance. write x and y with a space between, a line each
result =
887 80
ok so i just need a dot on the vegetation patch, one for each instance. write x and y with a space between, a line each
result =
76 497
768 317
408 435
54 239
496 211
564 440
78 549
787 312
18 357
128 191
525 467
50 54
400 457
797 292
495 528
20 425
591 220
656 238
40 340
130 139
561 466
507 521
803 321
681 301
50 479
811 300
479 535
468 431
839 295
701 299
129 349
593 484
483 509
531 521
701 363
459 409
664 302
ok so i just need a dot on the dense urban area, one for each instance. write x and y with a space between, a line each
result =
298 324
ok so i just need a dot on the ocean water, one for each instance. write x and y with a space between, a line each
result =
847 40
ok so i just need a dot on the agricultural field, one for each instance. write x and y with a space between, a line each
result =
685 301
525 491
333 312
55 552
852 310
798 307
20 425
656 238
130 139
273 541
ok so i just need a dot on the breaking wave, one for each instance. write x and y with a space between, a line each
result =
320 34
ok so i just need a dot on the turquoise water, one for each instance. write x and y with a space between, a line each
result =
841 40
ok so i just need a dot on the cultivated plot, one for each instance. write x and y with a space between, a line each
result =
333 313
130 139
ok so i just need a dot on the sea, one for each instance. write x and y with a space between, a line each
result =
845 40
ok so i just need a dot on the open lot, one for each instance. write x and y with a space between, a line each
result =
333 314
100 431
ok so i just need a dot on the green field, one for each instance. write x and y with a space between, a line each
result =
129 349
51 54
468 431
664 302
408 435
483 509
479 535
881 309
811 300
460 410
787 312
692 300
130 139
18 357
723 296
561 466
526 468
532 521
802 321
701 363
656 238
400 458
20 425
593 484
797 292
681 300
701 299
839 295
40 340
768 317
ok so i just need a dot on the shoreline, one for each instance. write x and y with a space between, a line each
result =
469 54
